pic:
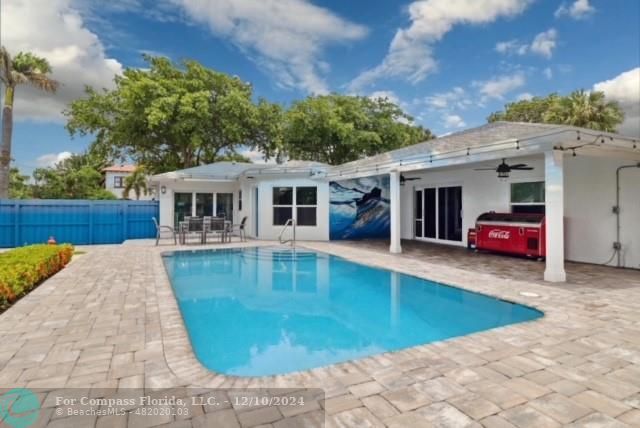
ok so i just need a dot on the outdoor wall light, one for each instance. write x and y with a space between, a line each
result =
163 189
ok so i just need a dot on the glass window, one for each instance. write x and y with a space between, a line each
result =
182 204
306 216
118 182
204 204
306 195
224 206
283 196
527 193
281 215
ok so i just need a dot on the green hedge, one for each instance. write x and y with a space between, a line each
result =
23 268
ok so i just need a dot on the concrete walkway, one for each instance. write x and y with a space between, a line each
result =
109 320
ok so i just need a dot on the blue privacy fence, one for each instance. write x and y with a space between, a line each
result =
80 222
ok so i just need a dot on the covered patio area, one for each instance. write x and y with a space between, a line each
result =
581 184
580 276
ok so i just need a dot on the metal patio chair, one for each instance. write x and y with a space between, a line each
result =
241 228
190 227
216 226
160 229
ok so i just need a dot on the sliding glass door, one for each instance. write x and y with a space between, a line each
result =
224 206
204 204
438 213
182 203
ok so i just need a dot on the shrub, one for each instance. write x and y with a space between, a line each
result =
23 268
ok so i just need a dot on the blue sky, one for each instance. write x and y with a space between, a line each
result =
448 63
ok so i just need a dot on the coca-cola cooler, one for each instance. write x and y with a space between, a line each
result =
512 233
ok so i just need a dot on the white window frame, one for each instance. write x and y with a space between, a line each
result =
295 202
526 204
294 205
274 206
437 239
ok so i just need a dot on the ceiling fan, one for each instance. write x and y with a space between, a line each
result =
504 169
404 179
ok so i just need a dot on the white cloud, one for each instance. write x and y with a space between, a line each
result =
51 159
580 9
548 73
512 47
457 98
390 95
525 96
544 43
625 89
57 32
453 121
410 55
286 37
498 87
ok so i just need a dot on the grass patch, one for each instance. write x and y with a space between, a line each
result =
21 269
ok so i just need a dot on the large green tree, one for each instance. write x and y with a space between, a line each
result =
24 68
77 177
580 108
338 128
19 187
172 116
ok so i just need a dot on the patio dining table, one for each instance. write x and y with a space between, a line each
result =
203 226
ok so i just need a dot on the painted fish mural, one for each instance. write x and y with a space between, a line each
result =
359 208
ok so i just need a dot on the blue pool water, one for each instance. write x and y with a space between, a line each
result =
265 311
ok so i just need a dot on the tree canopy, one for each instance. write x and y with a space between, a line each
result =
19 187
24 68
174 116
580 108
77 177
339 128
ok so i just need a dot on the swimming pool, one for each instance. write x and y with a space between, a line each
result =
272 310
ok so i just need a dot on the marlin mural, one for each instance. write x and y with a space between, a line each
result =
359 208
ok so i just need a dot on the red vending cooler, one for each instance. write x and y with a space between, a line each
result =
513 233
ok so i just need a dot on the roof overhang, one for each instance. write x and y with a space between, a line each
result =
569 139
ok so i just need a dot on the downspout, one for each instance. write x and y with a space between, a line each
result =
617 246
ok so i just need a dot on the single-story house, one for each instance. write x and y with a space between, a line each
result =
586 182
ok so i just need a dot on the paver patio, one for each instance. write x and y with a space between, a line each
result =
109 320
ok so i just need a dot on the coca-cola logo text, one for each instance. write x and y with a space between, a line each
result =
499 234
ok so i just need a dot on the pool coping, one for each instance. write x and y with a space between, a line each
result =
183 363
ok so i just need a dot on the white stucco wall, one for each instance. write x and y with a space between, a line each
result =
264 215
268 231
589 182
167 201
590 224
482 191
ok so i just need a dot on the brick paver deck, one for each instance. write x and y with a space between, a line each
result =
109 320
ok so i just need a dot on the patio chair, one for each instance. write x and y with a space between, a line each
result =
241 227
192 226
216 226
160 229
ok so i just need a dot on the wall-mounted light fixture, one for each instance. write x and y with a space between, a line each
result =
163 189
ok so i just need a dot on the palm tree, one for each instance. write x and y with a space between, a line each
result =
587 110
136 182
23 68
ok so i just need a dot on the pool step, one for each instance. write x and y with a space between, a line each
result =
279 255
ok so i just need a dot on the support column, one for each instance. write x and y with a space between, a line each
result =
554 212
394 184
